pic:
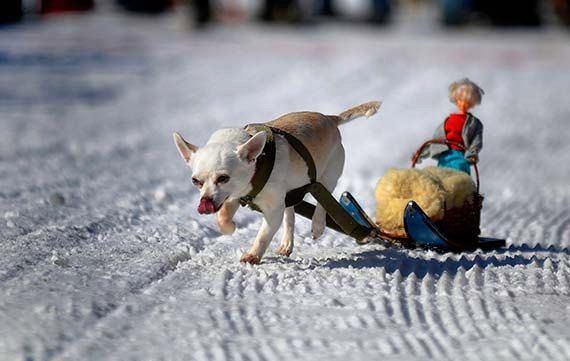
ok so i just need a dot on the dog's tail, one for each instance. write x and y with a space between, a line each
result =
362 110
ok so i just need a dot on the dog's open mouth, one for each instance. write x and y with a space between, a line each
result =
207 206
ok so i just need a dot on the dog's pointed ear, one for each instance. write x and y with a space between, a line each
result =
185 149
250 150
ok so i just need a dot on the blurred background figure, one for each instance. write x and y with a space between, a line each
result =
288 10
225 11
146 6
64 6
375 11
202 11
10 11
502 13
511 12
562 7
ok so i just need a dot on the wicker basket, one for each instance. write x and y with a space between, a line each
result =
459 224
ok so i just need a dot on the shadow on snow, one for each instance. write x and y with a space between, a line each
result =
407 262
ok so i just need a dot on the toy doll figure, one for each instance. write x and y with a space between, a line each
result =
461 127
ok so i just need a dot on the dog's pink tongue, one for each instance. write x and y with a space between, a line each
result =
206 206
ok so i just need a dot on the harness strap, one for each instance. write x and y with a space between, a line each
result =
302 150
265 162
263 166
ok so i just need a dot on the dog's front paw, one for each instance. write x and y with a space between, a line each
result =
227 227
285 250
249 258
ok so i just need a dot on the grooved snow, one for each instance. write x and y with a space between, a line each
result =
125 268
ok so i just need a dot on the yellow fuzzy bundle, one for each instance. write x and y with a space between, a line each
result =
458 186
434 189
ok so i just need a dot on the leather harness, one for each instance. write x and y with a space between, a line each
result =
337 218
265 162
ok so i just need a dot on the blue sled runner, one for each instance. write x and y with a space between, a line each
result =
421 231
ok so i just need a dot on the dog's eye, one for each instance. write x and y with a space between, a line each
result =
224 178
197 182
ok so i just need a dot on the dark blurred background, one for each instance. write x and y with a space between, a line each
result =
526 13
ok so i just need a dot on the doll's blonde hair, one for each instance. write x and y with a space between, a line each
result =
466 90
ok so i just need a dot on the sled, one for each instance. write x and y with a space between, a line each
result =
458 232
349 219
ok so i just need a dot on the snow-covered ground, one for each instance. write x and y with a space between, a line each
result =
125 268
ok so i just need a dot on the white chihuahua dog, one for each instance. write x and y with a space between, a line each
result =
223 170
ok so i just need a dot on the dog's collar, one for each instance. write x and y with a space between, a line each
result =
263 165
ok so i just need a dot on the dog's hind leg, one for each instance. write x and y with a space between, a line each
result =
286 246
319 221
329 178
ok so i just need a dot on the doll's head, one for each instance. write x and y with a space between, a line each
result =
465 94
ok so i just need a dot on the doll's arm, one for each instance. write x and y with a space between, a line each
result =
434 150
474 142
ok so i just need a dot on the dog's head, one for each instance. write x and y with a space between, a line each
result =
223 168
